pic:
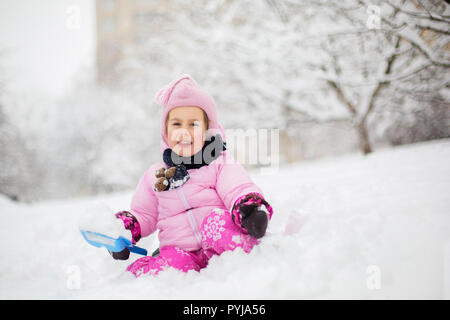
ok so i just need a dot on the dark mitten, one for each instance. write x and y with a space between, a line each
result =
247 214
122 255
254 221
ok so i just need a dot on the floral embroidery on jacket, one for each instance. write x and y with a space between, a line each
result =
214 228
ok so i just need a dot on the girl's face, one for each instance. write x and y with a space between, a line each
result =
186 129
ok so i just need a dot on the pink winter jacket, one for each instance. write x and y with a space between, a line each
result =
178 213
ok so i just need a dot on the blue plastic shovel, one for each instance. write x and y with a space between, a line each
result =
114 245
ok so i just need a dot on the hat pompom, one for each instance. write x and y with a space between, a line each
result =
163 95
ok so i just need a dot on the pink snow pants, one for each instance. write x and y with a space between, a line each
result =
218 234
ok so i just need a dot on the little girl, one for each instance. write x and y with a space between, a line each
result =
199 198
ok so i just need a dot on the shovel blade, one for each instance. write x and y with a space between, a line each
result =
100 240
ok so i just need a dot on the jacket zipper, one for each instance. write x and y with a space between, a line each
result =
189 214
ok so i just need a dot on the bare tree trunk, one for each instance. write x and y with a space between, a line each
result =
361 127
363 134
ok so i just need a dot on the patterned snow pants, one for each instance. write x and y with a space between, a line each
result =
218 234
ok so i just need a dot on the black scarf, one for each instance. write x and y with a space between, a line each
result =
212 149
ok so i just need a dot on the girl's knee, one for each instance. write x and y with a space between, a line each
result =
147 265
220 233
168 257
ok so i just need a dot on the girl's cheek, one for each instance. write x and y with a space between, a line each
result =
198 135
199 141
172 138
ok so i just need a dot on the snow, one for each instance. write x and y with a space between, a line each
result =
351 227
99 217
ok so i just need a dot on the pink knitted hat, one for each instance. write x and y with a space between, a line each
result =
186 92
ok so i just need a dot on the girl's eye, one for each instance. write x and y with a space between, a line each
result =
175 124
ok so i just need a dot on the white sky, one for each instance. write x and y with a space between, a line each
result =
43 43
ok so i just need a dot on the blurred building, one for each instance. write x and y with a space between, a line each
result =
125 26
121 26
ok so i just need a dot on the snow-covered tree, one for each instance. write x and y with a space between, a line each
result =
17 178
281 63
378 67
100 140
379 50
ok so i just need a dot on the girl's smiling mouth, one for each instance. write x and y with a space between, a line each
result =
184 143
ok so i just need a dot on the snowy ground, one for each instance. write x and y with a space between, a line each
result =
349 227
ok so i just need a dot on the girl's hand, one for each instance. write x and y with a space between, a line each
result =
122 255
254 220
130 223
251 213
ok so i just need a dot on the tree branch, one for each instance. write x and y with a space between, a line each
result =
416 14
381 84
419 45
423 27
341 97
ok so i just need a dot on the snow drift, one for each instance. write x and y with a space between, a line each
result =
351 227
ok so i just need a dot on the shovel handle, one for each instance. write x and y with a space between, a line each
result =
127 243
137 250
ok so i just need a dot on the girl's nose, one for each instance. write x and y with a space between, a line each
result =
183 134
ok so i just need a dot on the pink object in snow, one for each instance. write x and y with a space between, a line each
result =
179 213
218 234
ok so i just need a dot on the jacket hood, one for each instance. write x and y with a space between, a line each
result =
184 91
